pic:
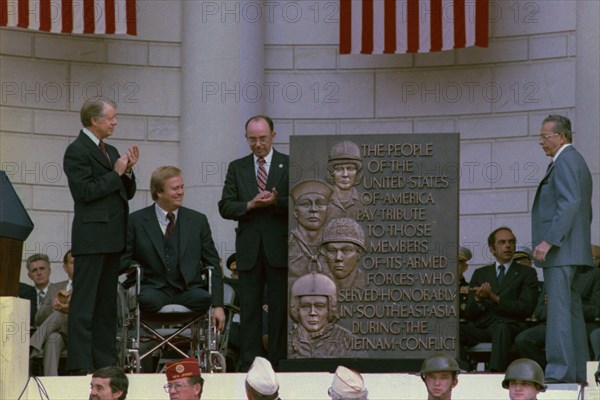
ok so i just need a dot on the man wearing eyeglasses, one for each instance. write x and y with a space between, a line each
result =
256 195
183 380
561 217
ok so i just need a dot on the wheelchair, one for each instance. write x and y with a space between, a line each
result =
177 332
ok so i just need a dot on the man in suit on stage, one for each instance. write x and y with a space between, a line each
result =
172 244
51 319
560 224
503 295
101 182
256 195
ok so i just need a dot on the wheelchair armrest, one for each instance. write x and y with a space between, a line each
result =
133 277
235 309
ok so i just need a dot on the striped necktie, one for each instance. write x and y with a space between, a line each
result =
261 174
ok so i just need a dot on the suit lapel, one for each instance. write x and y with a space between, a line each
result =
511 274
249 176
492 278
182 225
94 150
152 229
275 171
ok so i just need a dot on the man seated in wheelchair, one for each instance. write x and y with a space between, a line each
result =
172 244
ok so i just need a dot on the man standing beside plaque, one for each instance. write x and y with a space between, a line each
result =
560 224
256 195
503 295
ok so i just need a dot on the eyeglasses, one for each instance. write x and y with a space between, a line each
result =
176 386
545 136
261 140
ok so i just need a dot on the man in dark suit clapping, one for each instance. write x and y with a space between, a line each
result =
101 182
256 195
502 296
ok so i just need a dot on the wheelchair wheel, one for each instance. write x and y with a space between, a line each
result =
122 327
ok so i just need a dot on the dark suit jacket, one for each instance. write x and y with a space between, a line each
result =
562 211
267 225
46 308
145 245
518 294
100 197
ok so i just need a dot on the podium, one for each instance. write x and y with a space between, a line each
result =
15 227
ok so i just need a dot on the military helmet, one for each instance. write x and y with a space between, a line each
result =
439 362
309 187
313 284
345 150
526 370
344 230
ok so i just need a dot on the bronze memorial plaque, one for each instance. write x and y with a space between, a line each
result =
373 246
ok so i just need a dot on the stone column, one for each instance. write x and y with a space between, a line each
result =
587 96
222 62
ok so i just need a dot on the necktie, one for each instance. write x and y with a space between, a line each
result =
261 174
501 273
103 150
41 296
170 225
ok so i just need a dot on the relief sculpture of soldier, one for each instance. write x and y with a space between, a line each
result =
310 210
313 309
344 171
343 246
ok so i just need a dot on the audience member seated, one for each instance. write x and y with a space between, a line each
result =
439 372
595 333
503 296
531 343
523 256
184 381
524 379
347 385
109 383
50 338
172 244
261 381
38 270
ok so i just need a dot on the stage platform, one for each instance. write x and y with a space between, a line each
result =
309 386
15 383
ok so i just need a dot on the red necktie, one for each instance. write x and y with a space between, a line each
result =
261 174
170 225
103 150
